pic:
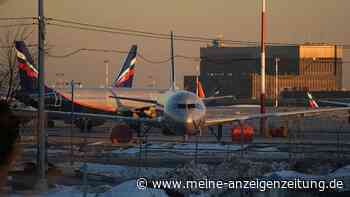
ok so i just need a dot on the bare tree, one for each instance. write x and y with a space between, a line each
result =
8 63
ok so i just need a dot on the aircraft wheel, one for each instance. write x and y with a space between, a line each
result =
50 123
167 131
81 124
121 133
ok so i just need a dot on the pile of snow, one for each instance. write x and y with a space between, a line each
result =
123 172
125 189
239 167
344 171
342 174
129 189
291 175
126 151
279 166
190 171
183 148
207 148
63 191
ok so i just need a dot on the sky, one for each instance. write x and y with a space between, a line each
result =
288 21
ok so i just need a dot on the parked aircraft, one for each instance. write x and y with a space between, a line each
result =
183 112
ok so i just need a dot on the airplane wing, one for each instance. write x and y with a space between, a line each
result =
137 100
238 118
157 122
116 118
217 97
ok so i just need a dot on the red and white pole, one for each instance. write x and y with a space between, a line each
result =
263 61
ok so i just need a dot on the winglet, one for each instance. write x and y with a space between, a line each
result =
311 102
199 89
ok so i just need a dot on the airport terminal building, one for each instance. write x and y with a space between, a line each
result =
236 70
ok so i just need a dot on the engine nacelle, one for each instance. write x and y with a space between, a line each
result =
122 133
246 130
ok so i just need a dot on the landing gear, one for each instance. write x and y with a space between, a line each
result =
121 133
50 123
167 132
218 134
80 123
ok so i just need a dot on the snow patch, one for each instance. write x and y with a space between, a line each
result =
123 172
129 189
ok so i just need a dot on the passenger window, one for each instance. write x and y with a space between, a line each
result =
191 106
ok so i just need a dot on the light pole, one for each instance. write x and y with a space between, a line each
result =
107 73
276 81
152 83
71 123
197 80
72 119
263 125
42 153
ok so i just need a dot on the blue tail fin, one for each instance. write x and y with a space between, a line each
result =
28 73
126 74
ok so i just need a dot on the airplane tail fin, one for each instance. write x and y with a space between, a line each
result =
126 74
311 101
27 71
199 89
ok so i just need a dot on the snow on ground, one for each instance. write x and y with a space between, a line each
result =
129 189
184 148
342 174
291 175
344 171
123 172
125 189
128 151
268 152
62 191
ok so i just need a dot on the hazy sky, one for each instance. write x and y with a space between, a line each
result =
288 21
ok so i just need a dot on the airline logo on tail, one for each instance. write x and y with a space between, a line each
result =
312 103
126 74
199 89
25 60
26 69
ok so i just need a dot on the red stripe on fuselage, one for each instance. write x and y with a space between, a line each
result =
90 104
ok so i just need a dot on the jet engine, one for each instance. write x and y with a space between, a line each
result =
121 133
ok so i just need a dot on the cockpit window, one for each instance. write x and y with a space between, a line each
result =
191 106
181 106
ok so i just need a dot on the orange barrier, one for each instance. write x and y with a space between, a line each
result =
248 133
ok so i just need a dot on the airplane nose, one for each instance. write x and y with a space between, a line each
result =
193 122
189 120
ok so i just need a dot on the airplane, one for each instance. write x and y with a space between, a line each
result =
183 112
85 100
313 104
199 89
311 101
